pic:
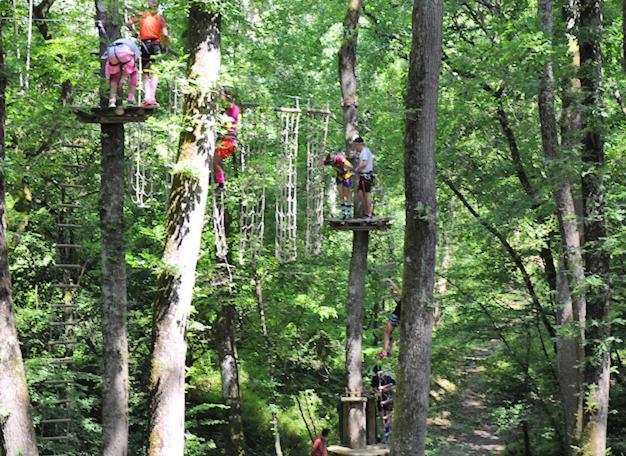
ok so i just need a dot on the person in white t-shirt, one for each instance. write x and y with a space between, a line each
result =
366 175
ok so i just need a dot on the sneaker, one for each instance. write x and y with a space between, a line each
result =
149 104
132 102
111 103
221 188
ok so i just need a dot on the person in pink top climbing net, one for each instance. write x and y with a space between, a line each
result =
226 143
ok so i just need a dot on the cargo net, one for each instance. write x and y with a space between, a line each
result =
316 130
286 197
253 183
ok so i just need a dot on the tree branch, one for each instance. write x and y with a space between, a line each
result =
517 260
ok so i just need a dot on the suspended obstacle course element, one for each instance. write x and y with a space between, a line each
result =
361 224
286 195
56 426
253 167
316 130
117 115
140 181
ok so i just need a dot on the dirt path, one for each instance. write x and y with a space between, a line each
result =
460 424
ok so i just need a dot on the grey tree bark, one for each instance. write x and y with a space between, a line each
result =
571 275
411 405
354 338
184 222
229 369
347 70
597 347
17 434
360 244
114 297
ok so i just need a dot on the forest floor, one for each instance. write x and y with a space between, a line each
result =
460 424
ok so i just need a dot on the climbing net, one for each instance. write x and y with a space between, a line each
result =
316 128
286 195
253 184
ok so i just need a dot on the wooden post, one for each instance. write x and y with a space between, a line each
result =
370 411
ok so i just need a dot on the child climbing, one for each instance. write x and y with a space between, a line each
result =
383 385
153 35
343 169
226 143
366 175
319 447
392 323
120 59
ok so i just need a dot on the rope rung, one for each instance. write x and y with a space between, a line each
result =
56 421
63 323
56 438
69 246
69 206
68 266
66 285
77 186
59 382
63 342
69 225
64 306
62 361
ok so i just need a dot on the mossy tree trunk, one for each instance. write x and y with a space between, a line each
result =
358 265
571 274
17 434
597 331
184 222
114 293
411 409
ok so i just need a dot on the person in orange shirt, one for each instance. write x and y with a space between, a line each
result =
153 35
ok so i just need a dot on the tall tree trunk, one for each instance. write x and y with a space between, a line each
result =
185 219
354 339
358 265
258 280
347 70
17 435
416 322
114 298
571 275
597 349
231 392
227 351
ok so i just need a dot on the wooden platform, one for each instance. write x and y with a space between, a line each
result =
361 224
371 450
117 115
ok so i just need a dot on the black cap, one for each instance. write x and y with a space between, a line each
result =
358 140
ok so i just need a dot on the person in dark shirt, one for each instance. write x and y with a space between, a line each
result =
383 385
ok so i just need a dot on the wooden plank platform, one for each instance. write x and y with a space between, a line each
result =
371 450
361 224
117 115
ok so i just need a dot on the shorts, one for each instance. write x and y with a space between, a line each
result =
345 182
395 320
150 50
121 62
226 147
365 184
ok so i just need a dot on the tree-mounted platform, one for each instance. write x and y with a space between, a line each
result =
119 115
371 450
361 224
